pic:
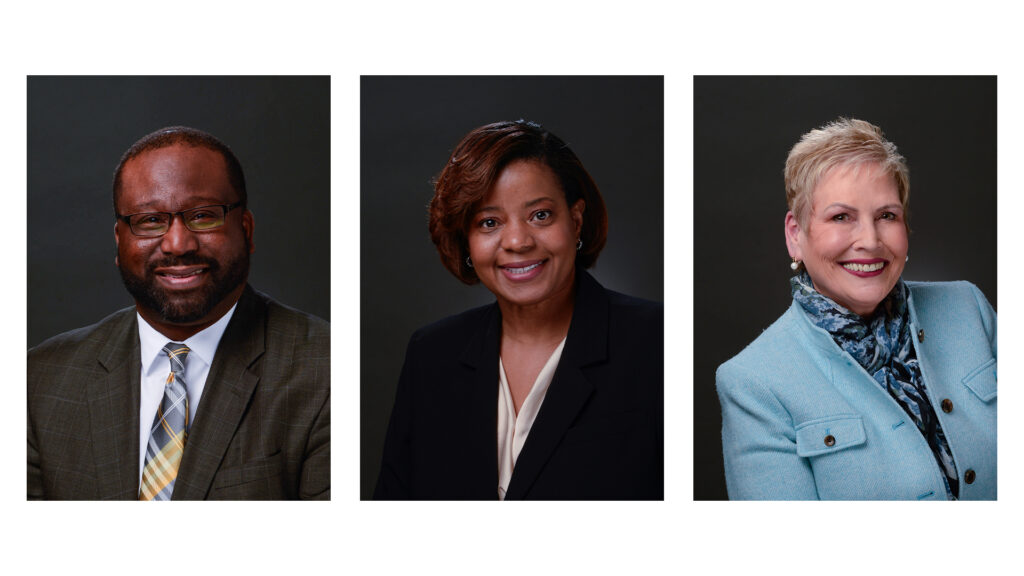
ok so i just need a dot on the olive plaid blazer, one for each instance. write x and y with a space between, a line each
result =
261 432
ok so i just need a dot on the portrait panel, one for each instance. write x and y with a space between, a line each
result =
744 128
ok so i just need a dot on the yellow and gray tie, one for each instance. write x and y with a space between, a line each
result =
170 429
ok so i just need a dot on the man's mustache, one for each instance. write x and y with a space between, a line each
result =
184 260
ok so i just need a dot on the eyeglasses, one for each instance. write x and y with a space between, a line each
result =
201 219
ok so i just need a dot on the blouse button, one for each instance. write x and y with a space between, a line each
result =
830 440
920 335
969 476
947 405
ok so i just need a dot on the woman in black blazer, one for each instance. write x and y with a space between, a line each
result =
555 391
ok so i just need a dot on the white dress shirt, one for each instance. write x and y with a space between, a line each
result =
512 429
156 366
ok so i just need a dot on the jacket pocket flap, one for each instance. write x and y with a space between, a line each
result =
982 381
826 435
261 469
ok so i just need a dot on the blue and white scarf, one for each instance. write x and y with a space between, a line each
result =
882 345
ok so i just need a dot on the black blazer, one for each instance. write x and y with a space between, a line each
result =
599 434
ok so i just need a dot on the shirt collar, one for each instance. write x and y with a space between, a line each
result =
202 344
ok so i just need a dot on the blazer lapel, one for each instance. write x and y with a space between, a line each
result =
586 343
478 397
845 374
114 413
226 395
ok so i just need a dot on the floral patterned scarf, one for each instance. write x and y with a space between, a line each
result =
882 345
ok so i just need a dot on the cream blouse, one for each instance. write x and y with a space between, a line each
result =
513 430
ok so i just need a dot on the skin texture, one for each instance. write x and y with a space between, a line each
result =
855 217
171 179
523 222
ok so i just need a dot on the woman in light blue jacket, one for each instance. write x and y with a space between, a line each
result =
868 387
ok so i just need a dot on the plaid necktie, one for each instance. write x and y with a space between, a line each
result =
170 429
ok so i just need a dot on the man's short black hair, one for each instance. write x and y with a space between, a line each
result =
173 135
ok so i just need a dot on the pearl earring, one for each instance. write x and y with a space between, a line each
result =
794 264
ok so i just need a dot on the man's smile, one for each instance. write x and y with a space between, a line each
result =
181 277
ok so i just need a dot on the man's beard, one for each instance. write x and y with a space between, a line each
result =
193 305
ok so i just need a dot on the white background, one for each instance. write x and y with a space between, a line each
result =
523 37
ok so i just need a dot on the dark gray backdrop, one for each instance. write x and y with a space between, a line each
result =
78 128
409 126
743 130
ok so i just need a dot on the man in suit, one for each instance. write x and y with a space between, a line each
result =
206 388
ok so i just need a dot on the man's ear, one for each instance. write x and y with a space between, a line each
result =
794 237
117 243
249 225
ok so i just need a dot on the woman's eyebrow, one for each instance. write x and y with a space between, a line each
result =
838 205
848 207
536 201
533 202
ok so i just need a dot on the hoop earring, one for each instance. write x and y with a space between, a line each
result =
469 262
794 265
579 244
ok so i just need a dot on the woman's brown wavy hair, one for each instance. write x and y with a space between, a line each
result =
471 171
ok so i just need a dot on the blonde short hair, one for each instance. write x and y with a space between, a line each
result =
846 142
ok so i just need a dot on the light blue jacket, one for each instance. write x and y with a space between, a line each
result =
801 419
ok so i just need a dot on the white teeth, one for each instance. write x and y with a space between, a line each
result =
522 270
864 267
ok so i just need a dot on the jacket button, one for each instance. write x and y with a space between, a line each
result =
947 405
920 335
969 476
830 440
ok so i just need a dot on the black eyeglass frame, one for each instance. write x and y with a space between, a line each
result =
181 214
